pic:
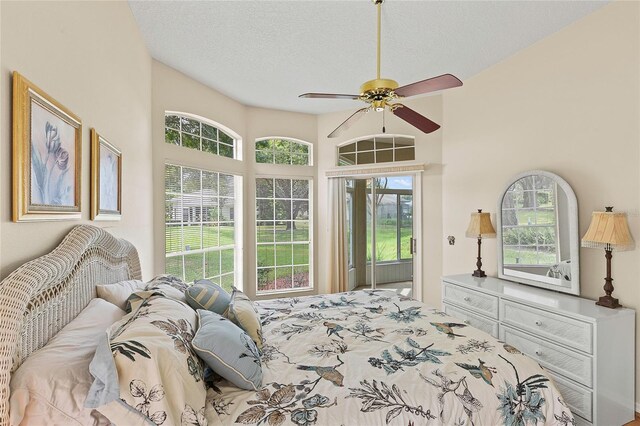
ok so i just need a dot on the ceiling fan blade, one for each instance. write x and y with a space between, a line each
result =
328 96
416 120
445 81
348 122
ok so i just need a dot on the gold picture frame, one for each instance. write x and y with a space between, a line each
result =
47 156
106 179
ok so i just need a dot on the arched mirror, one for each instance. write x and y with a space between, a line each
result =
537 230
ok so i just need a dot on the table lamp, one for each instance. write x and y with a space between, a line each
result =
480 227
608 230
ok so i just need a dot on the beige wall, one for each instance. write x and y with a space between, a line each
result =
174 91
428 151
568 104
91 58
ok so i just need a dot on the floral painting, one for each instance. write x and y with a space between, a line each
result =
47 141
106 169
52 159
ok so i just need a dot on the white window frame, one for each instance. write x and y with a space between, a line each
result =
298 141
237 227
237 140
311 240
374 151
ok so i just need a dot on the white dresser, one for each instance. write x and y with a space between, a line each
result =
588 350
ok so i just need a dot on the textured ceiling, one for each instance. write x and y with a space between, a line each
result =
266 53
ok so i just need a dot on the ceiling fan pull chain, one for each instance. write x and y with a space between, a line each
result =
383 126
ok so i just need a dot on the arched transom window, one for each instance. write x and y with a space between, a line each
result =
199 134
377 149
283 151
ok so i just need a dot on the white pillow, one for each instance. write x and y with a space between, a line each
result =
50 387
119 292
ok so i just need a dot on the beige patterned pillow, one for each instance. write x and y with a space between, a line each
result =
244 314
147 367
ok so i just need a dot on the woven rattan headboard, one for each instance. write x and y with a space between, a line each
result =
45 294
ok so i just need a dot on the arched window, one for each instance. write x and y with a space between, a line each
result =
283 151
200 134
377 149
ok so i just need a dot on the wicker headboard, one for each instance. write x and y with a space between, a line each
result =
45 294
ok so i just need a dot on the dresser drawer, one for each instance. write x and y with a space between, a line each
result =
558 328
563 361
484 324
485 304
579 399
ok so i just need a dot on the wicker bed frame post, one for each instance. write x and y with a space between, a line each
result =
42 296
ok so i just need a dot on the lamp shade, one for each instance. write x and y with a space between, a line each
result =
608 230
480 226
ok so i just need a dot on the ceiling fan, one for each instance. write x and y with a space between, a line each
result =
379 94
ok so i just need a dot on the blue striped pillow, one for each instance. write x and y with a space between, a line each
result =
209 296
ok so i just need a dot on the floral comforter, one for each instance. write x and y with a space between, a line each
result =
375 358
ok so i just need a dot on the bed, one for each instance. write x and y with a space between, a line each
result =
368 357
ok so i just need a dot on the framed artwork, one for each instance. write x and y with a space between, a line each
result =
47 160
106 179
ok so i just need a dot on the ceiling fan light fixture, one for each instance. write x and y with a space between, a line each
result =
380 92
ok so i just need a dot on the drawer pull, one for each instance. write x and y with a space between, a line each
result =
467 322
466 299
538 323
538 352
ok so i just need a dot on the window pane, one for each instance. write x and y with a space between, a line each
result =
264 157
264 210
191 126
209 132
193 267
282 157
212 264
210 237
301 230
301 276
264 188
210 146
192 237
283 210
226 208
264 144
225 150
299 148
347 148
225 138
406 225
173 266
226 261
300 188
300 254
300 159
172 137
301 210
283 254
173 238
266 256
284 278
227 234
283 231
266 279
365 157
283 188
172 121
265 231
172 179
189 141
386 227
225 187
405 154
365 145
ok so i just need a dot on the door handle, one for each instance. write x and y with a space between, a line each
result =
413 246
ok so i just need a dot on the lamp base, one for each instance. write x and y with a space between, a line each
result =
608 302
479 273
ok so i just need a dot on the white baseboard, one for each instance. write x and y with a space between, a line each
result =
637 407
